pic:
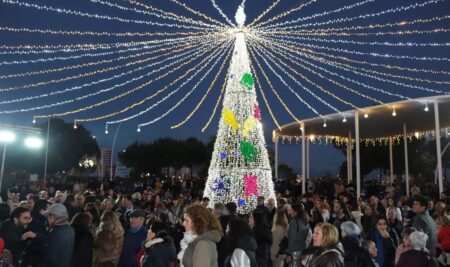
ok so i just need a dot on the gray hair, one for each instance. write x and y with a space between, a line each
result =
350 228
418 240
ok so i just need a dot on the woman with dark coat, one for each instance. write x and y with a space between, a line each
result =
355 255
386 242
263 237
82 253
240 244
159 247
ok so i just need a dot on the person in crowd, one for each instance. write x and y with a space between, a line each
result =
240 244
342 214
328 258
319 213
299 234
71 206
230 213
355 255
396 211
423 222
406 243
106 205
159 248
394 223
263 236
133 239
418 255
114 233
372 249
368 220
83 248
376 205
125 211
188 237
201 252
260 205
104 245
443 238
279 231
325 240
12 230
385 241
439 209
5 212
272 210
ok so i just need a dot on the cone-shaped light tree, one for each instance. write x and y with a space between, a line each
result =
240 169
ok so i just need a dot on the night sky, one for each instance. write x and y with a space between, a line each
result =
323 159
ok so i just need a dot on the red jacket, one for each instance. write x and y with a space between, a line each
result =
444 238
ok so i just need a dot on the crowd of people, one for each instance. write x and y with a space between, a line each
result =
168 223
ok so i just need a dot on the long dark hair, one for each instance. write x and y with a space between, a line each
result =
238 229
81 222
260 220
301 213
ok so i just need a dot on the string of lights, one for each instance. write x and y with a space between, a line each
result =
98 71
398 33
202 63
264 56
326 78
326 13
290 51
365 27
222 14
180 17
102 17
364 16
345 42
199 13
287 85
102 80
263 14
288 110
272 58
107 34
353 52
184 97
218 101
352 69
161 16
189 116
284 14
47 71
183 60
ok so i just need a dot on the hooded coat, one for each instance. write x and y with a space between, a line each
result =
159 252
202 252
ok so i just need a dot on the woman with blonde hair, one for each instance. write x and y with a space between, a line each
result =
325 242
109 222
279 229
201 252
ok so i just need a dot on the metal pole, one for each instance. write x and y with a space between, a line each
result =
276 159
349 158
358 160
3 166
391 161
303 160
307 158
46 152
438 146
351 155
405 145
112 150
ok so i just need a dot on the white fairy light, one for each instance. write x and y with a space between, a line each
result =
240 16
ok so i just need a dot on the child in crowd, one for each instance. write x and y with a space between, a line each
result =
371 247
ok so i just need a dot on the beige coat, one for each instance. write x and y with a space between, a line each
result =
278 233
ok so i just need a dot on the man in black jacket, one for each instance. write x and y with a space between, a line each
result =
12 230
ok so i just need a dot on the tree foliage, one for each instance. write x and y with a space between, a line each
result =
167 152
66 147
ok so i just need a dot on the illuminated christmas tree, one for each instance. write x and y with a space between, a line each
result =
240 169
